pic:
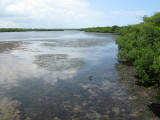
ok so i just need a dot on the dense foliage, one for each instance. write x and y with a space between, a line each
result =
112 29
140 44
23 30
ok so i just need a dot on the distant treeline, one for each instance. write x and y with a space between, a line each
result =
23 29
139 44
113 29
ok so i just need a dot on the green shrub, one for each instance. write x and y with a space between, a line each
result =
140 44
113 29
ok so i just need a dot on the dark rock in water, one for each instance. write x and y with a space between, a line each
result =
155 108
90 78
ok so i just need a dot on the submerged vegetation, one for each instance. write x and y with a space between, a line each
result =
9 109
6 46
140 45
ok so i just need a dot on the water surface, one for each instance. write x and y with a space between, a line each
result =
64 75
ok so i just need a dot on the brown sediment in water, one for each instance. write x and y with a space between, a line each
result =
7 46
81 43
9 109
57 61
138 97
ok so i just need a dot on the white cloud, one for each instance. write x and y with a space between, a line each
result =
140 13
50 13
61 14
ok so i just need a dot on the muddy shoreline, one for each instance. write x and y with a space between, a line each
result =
139 97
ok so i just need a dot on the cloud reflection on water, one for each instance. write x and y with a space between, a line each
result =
14 69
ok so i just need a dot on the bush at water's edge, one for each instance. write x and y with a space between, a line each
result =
139 44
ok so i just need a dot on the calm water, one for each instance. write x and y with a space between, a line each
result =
63 75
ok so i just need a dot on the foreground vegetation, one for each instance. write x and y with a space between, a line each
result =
140 45
23 30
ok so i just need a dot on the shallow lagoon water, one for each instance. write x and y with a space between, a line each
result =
65 75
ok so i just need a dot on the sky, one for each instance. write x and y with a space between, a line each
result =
74 13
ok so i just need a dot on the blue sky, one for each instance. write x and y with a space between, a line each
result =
74 13
127 5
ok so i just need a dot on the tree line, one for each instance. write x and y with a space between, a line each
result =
24 29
